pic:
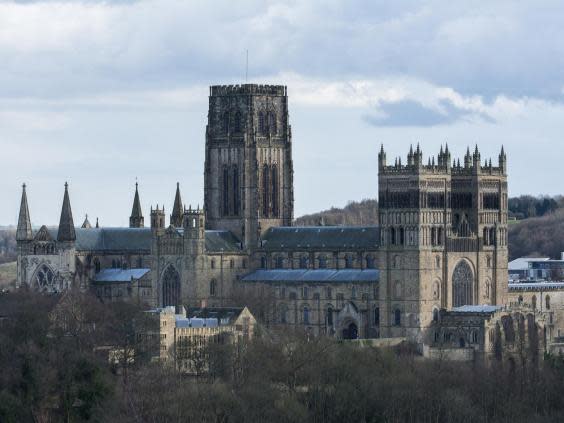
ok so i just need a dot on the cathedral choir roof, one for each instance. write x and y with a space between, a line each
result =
321 237
120 275
313 275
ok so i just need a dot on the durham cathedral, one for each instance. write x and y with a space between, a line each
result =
439 254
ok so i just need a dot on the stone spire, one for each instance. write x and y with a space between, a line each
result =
177 209
136 219
24 232
66 224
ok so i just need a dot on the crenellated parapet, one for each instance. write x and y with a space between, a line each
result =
442 164
249 89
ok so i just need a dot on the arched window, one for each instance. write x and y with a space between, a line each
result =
401 236
303 262
212 264
376 316
265 191
463 282
225 191
261 123
397 317
238 122
232 264
348 262
534 301
369 262
213 287
547 302
322 262
306 315
474 337
263 262
225 122
283 313
97 265
438 262
171 287
435 315
353 292
274 191
520 299
279 262
272 126
393 236
305 293
45 280
329 316
139 262
235 184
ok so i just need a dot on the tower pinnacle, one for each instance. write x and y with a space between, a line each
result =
177 209
66 224
136 219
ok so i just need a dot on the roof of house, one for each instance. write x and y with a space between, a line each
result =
321 237
313 275
120 275
522 263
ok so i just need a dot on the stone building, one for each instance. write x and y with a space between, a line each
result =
441 243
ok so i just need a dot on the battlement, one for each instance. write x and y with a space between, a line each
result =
442 165
248 89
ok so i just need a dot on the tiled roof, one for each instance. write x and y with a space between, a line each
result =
321 237
217 241
313 275
120 275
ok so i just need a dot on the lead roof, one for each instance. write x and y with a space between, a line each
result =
321 237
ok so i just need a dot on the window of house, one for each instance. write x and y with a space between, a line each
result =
376 316
534 302
435 315
213 264
305 292
213 287
547 302
329 316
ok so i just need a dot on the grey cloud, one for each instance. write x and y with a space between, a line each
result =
412 113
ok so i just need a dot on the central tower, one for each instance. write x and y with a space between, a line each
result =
248 177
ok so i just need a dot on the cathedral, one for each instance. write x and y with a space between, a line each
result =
441 242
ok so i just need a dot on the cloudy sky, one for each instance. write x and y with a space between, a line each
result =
99 93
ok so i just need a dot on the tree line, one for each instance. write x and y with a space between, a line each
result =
54 369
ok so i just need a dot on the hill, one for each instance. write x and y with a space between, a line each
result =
7 275
363 212
538 236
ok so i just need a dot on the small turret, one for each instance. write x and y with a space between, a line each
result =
194 229
176 216
382 158
86 224
24 232
477 161
136 219
410 156
66 231
503 161
467 158
157 219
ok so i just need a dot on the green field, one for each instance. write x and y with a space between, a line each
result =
7 275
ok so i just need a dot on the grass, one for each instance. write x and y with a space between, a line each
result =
7 275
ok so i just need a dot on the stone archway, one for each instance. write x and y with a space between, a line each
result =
350 331
170 283
462 284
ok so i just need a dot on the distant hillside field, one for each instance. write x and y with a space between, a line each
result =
364 212
538 236
7 275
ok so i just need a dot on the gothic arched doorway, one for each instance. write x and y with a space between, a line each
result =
350 331
171 287
462 284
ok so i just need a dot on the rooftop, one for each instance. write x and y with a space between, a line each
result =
321 237
120 275
313 275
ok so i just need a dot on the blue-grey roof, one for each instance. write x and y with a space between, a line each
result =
217 241
313 275
139 239
321 237
536 286
522 263
195 322
120 275
111 239
476 309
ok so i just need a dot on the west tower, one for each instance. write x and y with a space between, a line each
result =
248 166
443 237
